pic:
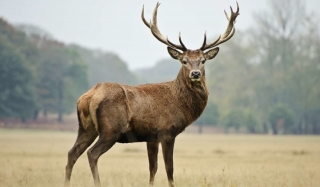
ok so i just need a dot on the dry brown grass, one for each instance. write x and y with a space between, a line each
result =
30 158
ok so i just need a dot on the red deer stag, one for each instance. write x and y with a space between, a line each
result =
151 113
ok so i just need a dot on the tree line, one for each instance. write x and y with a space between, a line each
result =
264 80
41 75
267 79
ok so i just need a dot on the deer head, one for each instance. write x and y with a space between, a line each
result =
192 60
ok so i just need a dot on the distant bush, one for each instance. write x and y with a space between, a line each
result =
281 118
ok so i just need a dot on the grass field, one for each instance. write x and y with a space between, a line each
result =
30 158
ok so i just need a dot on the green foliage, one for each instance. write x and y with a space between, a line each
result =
267 75
62 77
234 119
210 115
230 77
16 83
42 74
281 117
240 119
37 74
273 65
289 64
105 67
250 122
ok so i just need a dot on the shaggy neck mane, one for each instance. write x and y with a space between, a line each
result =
193 94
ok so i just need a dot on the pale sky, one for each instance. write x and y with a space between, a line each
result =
116 25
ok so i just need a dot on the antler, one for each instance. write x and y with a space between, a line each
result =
155 31
227 34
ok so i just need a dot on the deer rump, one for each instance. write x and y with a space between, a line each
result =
136 113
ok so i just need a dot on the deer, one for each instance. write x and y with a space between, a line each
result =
151 113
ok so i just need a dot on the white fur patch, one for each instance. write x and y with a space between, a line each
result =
195 79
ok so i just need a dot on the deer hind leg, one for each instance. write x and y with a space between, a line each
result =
167 150
111 120
84 140
153 148
103 145
110 131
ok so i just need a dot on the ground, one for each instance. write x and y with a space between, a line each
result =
38 158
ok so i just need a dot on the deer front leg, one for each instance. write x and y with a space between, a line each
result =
167 150
153 148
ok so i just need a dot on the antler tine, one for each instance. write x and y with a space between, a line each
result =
231 9
225 13
204 40
143 19
230 31
204 45
237 8
180 40
156 32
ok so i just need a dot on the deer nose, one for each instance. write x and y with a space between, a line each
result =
196 74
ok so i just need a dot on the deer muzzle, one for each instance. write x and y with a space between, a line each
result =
195 75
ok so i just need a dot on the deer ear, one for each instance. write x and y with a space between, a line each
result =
211 53
174 53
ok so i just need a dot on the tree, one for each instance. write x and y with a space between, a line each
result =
276 30
306 76
234 119
250 122
288 62
281 118
16 86
105 67
62 77
230 77
210 116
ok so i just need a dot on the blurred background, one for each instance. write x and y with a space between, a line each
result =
265 80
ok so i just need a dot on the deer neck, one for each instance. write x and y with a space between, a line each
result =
193 95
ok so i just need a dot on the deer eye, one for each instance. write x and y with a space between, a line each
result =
184 62
203 61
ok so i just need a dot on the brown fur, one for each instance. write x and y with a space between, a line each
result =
147 110
153 113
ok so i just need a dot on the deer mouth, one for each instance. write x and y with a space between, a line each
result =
195 79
